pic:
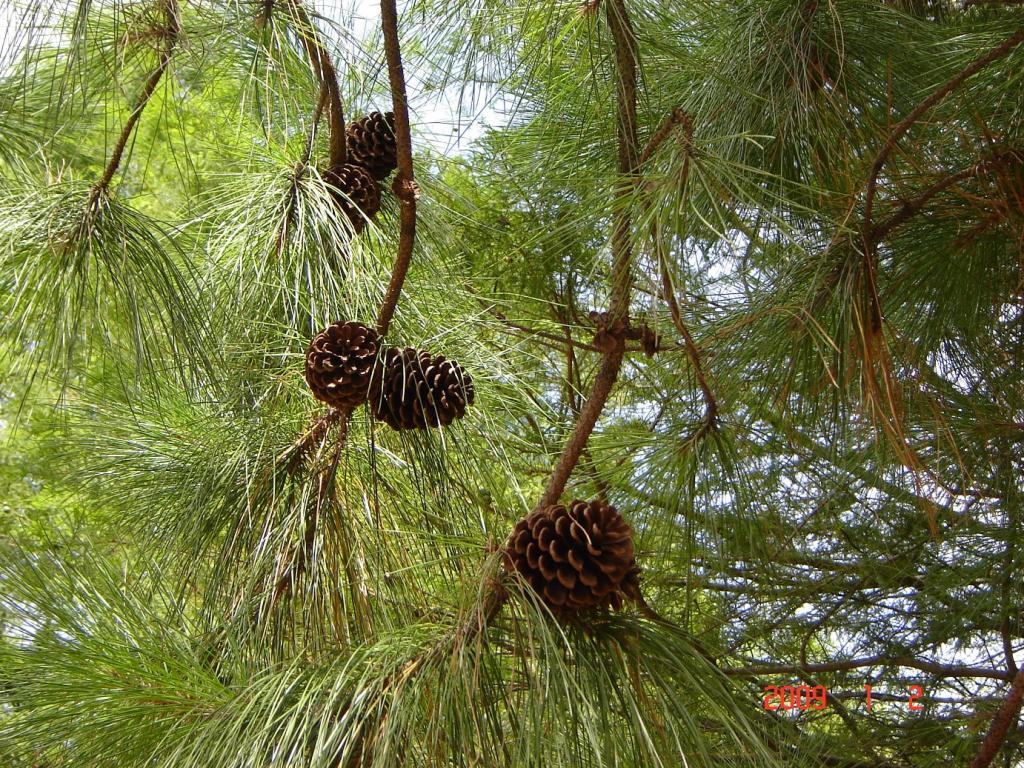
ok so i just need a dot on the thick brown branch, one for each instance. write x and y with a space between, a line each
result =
170 33
626 131
1001 722
628 160
589 414
405 183
320 61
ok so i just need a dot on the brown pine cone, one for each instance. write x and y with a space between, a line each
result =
371 144
340 363
355 191
575 558
413 389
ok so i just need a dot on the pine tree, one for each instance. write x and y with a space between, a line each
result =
737 298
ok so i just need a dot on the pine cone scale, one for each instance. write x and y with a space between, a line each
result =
355 192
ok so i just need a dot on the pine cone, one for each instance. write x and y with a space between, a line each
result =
413 389
355 191
340 363
576 558
371 144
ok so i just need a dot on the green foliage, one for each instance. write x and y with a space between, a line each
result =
821 458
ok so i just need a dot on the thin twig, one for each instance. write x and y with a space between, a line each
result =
299 172
933 99
324 492
170 32
676 117
297 451
608 373
911 208
668 294
1004 48
1000 723
692 350
560 341
320 61
404 186
311 136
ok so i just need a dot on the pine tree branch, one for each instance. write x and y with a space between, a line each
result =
679 117
621 246
911 208
404 186
1001 50
692 351
870 244
315 123
297 451
170 31
325 487
676 117
628 160
320 61
558 342
1001 722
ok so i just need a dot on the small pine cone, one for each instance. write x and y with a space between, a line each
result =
371 144
413 389
355 191
340 363
576 558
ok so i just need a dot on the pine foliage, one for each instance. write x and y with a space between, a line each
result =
747 275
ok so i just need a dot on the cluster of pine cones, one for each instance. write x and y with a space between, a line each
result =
372 156
347 365
576 558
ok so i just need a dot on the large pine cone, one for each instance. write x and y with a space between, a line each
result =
355 191
576 558
340 363
413 389
371 144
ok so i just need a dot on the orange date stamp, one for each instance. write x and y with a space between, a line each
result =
785 698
